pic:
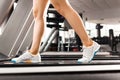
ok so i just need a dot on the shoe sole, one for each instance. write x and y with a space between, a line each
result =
27 61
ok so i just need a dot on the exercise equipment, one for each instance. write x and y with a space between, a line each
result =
53 23
111 40
5 8
16 28
48 68
114 40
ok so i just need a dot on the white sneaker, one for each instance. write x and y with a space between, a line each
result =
27 57
89 53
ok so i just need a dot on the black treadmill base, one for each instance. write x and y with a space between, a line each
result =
64 76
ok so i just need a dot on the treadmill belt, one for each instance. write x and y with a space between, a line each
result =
7 62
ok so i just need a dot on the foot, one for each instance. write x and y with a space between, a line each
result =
27 57
89 53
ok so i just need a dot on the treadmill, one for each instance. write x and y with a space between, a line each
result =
16 29
58 69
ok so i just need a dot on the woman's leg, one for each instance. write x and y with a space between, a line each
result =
39 8
91 47
64 8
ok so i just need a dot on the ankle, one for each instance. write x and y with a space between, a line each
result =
88 44
33 52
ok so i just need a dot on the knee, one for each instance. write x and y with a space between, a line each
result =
36 14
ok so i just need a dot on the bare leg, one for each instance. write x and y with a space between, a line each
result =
39 7
64 8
